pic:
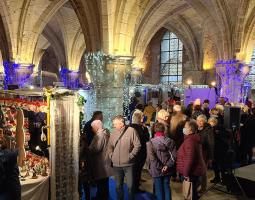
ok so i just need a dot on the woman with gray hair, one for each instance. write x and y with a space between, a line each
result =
144 137
101 169
206 132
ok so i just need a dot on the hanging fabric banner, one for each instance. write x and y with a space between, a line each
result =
65 132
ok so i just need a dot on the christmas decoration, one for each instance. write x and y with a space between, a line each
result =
230 79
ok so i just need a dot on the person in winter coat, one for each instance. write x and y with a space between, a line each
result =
144 137
220 149
205 108
196 112
10 187
148 112
249 136
206 132
190 162
161 155
124 146
84 168
176 125
98 149
87 130
162 117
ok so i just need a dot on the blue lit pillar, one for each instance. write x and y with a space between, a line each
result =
70 78
17 74
230 79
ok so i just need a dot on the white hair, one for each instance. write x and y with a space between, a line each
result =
177 108
203 117
163 114
97 124
213 119
137 117
219 107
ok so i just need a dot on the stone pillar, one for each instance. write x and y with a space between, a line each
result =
18 74
108 75
230 79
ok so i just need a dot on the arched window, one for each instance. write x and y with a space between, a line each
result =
171 50
251 76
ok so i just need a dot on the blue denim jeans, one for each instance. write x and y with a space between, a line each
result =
162 188
119 174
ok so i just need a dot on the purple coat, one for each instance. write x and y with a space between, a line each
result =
158 155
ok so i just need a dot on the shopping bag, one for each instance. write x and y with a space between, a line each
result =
187 190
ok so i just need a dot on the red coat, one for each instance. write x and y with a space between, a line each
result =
190 160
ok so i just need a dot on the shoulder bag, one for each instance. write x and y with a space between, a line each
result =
118 142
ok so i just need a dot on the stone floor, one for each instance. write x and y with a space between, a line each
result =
176 187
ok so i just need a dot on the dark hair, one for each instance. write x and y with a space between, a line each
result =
178 103
206 101
139 107
197 107
160 106
96 114
159 127
193 125
253 111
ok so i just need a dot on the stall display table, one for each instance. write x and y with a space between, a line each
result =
35 189
246 180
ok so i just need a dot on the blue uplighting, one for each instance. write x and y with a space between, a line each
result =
17 74
70 78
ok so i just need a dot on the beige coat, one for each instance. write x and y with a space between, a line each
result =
99 159
127 148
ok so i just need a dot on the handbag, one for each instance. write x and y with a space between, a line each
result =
187 190
169 151
117 142
158 160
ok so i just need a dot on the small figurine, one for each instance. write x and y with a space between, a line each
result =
27 174
34 174
44 171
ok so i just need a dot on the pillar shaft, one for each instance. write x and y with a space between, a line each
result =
108 74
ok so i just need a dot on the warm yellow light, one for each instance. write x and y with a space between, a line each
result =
207 66
213 83
245 70
88 77
138 64
189 82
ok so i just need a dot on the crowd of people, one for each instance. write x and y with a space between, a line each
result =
173 143
176 144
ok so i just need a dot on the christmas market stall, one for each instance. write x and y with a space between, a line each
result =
27 109
51 128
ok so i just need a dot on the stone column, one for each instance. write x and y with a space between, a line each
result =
108 75
18 74
230 79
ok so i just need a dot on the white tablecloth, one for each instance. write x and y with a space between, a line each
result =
246 172
35 189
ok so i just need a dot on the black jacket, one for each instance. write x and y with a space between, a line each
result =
207 141
144 137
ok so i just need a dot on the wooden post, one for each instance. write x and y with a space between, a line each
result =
48 95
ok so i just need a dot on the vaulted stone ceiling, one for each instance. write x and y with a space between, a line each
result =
66 37
209 29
